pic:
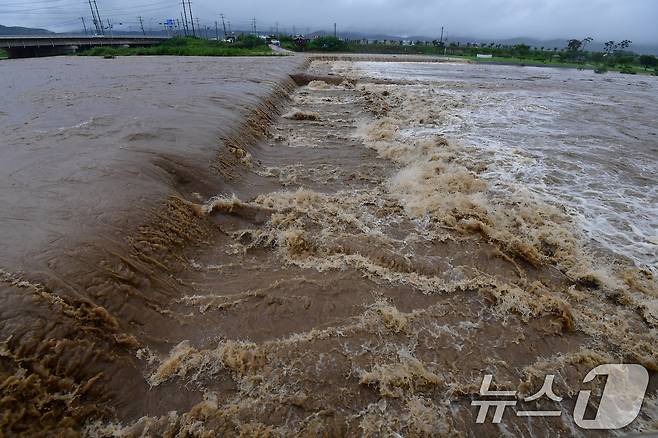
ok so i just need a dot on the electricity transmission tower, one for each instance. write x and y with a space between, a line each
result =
98 16
189 7
184 16
223 25
95 19
141 24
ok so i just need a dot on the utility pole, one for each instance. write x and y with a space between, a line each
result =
98 16
184 21
277 29
84 26
109 27
189 7
253 26
141 24
198 27
94 19
335 31
445 46
216 31
185 18
223 25
441 40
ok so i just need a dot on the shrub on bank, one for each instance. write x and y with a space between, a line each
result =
188 46
327 44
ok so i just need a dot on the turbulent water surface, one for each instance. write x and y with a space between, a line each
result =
200 247
584 141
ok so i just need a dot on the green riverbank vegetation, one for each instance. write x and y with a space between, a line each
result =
245 45
616 56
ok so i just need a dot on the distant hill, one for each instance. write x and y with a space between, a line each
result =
17 30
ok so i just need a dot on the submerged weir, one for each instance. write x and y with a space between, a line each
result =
338 261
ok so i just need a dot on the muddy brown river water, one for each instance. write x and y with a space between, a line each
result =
209 246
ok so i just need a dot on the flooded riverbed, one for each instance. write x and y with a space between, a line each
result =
350 255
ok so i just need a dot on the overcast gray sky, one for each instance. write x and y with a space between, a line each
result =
486 19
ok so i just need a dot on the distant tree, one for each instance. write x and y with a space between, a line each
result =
327 44
574 45
648 61
585 42
521 50
613 47
625 44
609 47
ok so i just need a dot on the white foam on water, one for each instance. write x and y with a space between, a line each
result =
585 142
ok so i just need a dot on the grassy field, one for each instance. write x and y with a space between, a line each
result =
188 47
526 61
550 63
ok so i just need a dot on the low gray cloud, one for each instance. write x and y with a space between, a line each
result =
485 19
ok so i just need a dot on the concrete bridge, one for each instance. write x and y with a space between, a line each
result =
31 46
